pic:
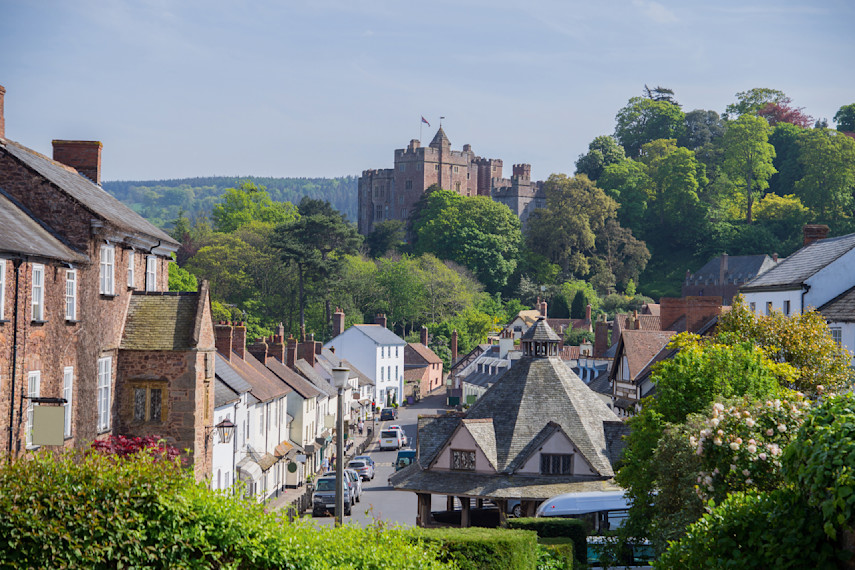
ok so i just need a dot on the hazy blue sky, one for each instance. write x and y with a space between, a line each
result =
328 88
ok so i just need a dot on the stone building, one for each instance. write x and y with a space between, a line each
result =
391 193
86 322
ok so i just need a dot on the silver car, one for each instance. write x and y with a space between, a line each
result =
365 469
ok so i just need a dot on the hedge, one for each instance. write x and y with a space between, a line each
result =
484 549
548 527
88 510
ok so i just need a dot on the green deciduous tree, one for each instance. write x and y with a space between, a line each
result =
845 118
701 127
602 151
748 158
386 236
751 101
828 163
629 184
644 120
240 206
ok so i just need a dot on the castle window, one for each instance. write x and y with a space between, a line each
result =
556 464
467 176
457 188
456 168
149 402
408 185
108 260
38 292
378 213
436 167
402 167
70 295
418 166
462 460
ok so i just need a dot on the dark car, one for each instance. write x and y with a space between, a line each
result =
388 414
323 499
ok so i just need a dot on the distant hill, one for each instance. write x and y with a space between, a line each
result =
161 201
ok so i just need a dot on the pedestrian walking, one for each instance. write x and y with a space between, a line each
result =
361 426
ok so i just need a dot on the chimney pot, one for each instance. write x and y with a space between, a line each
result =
83 156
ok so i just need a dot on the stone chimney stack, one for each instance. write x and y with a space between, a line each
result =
307 350
588 313
2 116
775 257
424 336
601 338
542 307
380 319
259 350
453 347
83 156
239 339
292 353
223 339
277 347
337 322
814 232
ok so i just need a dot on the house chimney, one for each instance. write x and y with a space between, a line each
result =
453 346
306 351
601 339
277 348
239 339
259 350
223 339
337 322
814 232
83 156
542 307
292 353
380 319
588 313
775 257
2 116
424 336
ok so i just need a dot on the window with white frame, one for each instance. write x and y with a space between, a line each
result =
2 288
151 273
67 389
108 267
787 308
38 292
836 335
70 294
34 380
105 373
132 258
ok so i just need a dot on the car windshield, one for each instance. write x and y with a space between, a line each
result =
325 485
389 433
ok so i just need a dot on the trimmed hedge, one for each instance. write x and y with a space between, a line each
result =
484 549
548 527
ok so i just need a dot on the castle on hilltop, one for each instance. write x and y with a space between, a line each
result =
391 193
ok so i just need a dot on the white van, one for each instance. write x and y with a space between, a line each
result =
390 439
610 507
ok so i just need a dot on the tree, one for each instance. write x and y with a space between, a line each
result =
624 256
580 303
784 112
386 235
782 208
845 118
629 184
751 101
181 280
240 206
644 120
476 232
748 158
828 163
403 290
602 152
315 243
701 127
786 138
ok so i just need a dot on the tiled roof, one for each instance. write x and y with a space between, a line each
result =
432 433
485 437
265 385
841 309
416 350
21 233
229 376
415 374
89 194
798 267
535 391
640 347
540 331
380 335
160 321
300 385
651 309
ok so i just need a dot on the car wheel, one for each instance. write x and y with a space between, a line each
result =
347 510
517 511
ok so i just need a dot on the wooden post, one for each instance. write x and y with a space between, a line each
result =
449 503
502 504
423 517
465 521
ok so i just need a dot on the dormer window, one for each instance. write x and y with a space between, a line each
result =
462 460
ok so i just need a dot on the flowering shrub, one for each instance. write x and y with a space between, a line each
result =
740 444
122 446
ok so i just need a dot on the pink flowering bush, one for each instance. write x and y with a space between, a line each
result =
123 446
740 443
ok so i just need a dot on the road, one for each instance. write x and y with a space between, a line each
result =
379 503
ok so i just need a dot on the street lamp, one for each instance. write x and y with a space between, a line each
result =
340 378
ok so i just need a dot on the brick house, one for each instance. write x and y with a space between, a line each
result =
422 367
66 299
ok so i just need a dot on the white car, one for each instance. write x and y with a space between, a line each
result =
403 434
390 439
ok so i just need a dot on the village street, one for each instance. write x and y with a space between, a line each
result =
379 502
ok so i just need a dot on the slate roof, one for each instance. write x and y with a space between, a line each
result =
440 140
362 379
89 194
300 385
484 434
616 434
229 376
602 384
20 232
800 266
537 390
265 385
841 309
380 335
420 351
540 331
161 321
640 347
223 394
316 379
740 268
431 434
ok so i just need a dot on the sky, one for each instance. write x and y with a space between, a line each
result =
322 88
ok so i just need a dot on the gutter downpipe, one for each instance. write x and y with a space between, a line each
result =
17 265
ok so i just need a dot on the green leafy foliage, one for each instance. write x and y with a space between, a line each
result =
181 280
644 120
845 118
551 527
484 549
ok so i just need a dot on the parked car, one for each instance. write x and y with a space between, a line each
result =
606 509
405 457
390 439
403 433
365 469
353 481
388 414
515 507
365 458
323 499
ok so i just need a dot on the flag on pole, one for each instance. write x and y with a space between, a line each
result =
425 121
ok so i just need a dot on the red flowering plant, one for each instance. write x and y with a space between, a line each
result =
123 446
739 444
